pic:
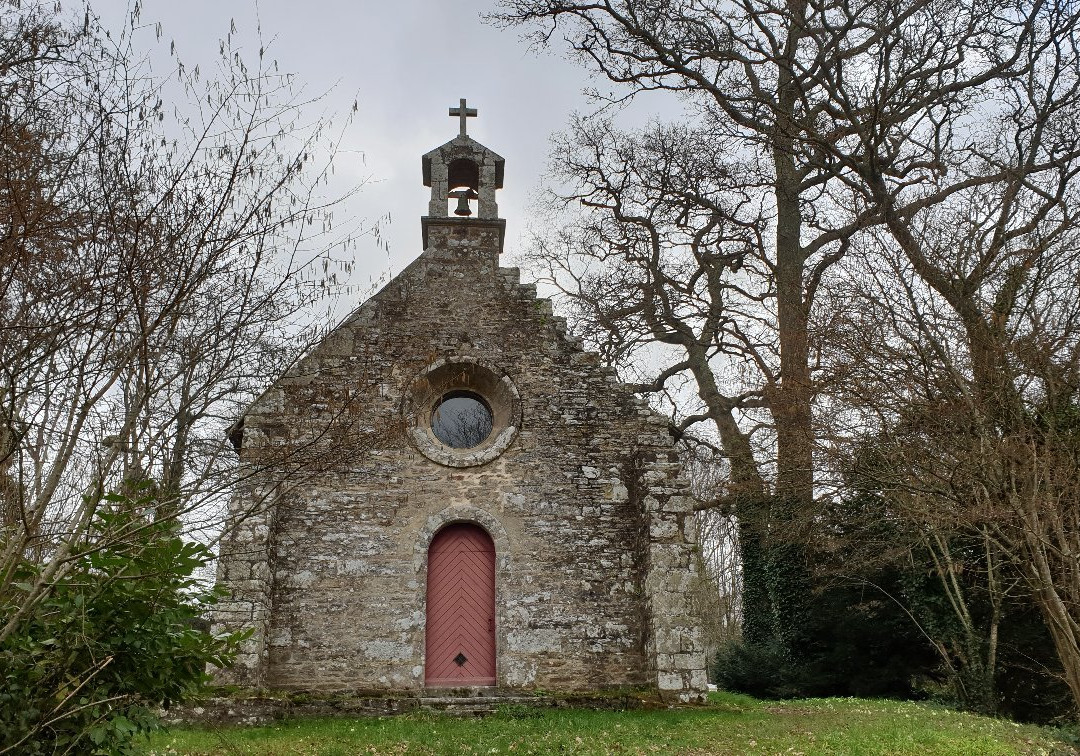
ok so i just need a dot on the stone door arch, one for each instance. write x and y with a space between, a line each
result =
460 637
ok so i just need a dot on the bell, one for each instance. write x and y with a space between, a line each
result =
463 196
463 204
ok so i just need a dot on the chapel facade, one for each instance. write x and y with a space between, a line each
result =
448 491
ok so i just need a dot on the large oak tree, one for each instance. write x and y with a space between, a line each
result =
810 124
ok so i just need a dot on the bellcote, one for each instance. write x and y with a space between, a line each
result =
463 174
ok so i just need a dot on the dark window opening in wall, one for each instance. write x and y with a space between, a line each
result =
462 420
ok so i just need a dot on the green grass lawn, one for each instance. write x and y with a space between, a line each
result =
732 724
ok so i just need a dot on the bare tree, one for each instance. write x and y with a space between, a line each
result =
959 464
978 194
161 243
814 123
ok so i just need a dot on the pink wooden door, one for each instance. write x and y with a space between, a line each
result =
460 608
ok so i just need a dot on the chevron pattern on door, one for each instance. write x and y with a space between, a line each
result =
460 608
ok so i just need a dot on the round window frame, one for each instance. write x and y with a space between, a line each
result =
472 375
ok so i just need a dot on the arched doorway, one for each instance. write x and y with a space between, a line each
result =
460 608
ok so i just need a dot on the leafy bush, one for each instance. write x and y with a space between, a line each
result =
112 639
857 642
761 670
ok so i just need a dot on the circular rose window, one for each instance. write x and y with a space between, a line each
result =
462 412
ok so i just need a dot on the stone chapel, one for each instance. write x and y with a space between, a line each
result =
448 492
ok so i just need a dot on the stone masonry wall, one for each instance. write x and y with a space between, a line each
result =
591 525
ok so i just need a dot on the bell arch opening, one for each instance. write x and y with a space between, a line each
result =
463 174
463 182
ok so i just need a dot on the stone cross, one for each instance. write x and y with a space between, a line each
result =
462 113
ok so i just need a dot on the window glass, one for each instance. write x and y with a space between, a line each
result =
461 420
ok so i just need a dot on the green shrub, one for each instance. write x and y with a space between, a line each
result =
857 642
113 638
761 670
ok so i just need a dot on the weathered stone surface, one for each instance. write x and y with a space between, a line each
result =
468 702
328 564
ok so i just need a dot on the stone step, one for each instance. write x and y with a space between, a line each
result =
473 705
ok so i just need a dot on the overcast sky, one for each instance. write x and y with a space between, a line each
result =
407 62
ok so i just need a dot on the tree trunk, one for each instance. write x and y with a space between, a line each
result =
1063 626
775 578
